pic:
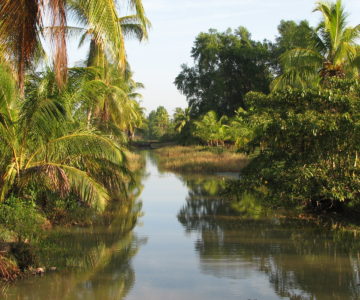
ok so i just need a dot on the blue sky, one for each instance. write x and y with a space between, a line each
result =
176 23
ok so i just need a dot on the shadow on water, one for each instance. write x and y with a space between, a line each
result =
301 260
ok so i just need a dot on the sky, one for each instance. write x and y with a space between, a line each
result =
176 23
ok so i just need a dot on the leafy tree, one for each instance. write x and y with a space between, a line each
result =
159 123
294 35
291 35
333 51
310 143
227 66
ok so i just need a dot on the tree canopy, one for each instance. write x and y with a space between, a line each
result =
227 65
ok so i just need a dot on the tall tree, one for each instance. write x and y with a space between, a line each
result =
21 28
291 35
159 122
227 66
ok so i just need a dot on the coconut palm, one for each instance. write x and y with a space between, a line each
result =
334 51
241 130
182 118
109 39
108 100
211 129
22 28
41 144
112 99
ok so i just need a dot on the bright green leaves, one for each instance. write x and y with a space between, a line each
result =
159 123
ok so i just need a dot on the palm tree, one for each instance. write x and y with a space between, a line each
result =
212 130
23 25
109 39
334 51
40 143
114 106
182 118
107 100
241 130
20 32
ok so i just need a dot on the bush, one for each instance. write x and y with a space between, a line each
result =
21 218
309 142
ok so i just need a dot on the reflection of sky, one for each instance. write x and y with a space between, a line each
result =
168 267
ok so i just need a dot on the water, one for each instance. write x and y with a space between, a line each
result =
194 244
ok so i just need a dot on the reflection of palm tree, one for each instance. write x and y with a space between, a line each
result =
203 203
114 260
97 260
334 52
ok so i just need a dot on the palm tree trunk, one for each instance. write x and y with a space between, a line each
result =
21 63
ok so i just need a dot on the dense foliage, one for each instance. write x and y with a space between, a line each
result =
25 26
331 50
309 140
158 123
303 136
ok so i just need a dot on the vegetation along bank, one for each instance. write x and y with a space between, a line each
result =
284 113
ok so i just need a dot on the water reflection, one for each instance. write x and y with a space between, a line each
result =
301 260
241 250
93 262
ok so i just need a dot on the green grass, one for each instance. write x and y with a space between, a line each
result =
199 159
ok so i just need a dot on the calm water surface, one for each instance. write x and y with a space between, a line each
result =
192 243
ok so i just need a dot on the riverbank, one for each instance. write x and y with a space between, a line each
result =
200 159
26 223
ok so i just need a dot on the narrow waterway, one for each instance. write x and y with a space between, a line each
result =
192 243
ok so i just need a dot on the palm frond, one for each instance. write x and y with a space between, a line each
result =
102 17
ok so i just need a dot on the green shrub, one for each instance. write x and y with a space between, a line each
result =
22 218
309 143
